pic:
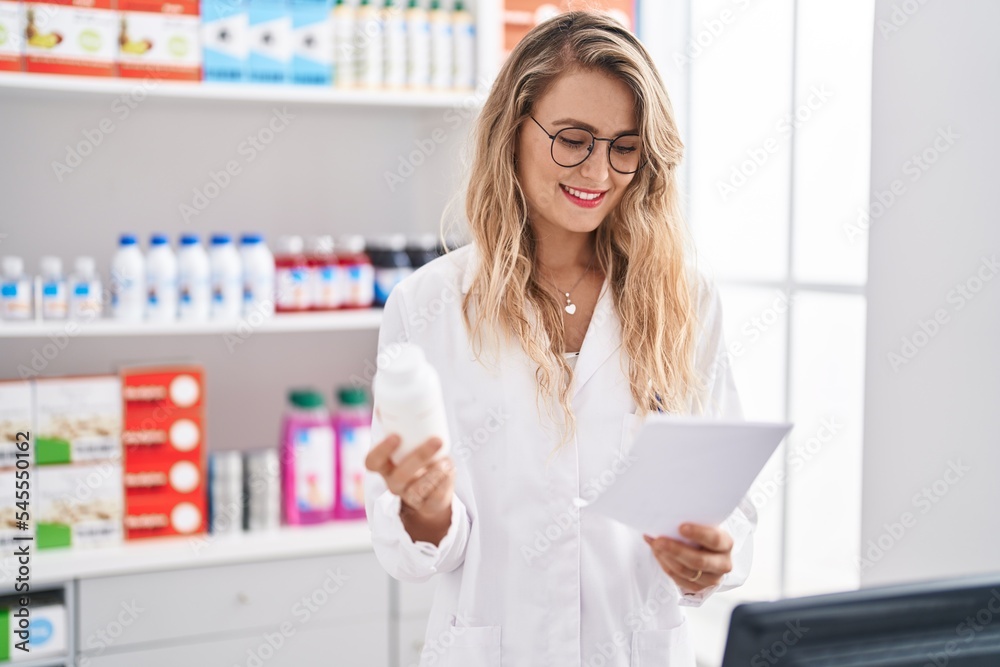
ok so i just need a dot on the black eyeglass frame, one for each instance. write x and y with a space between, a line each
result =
590 149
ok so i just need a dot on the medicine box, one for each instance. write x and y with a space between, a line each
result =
164 515
79 505
160 39
49 635
270 41
312 37
78 420
11 36
71 37
225 40
16 417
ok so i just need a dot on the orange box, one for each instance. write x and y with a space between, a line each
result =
71 37
183 477
164 515
160 39
11 35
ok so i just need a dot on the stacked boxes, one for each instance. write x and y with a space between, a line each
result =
224 38
164 451
270 41
11 35
47 629
15 418
160 38
78 461
71 37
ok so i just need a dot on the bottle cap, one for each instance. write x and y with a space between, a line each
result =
85 266
51 266
190 239
395 242
221 239
251 239
321 245
352 396
158 239
126 239
13 266
403 363
290 245
353 244
305 398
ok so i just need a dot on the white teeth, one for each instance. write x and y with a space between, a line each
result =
586 196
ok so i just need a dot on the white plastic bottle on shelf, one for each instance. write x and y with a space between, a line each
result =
128 281
369 45
464 58
86 300
193 281
227 278
418 46
324 274
15 290
344 54
258 275
161 280
55 301
442 47
409 397
394 21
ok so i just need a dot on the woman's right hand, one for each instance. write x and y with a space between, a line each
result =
425 485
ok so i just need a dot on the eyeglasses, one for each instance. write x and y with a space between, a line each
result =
571 146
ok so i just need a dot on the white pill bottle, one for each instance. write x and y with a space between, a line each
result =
408 395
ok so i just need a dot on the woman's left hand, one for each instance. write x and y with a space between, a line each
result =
698 567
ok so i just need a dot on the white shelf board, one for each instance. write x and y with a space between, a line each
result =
56 83
174 553
343 320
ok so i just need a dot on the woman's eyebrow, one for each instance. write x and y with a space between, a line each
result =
572 122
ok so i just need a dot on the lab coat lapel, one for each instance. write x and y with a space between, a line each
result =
603 339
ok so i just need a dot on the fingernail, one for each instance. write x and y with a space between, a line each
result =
686 529
649 540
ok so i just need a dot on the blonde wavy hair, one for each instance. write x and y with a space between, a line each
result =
641 246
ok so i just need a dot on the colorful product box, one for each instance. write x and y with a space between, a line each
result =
79 505
312 38
163 516
271 45
78 420
48 632
164 451
225 40
16 417
11 36
71 37
9 512
160 39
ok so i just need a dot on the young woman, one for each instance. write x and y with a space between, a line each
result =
570 316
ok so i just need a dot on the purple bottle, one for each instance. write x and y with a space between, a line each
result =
352 424
307 460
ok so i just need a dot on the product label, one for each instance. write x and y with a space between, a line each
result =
360 285
79 505
11 35
162 42
54 300
293 288
354 445
225 39
270 42
15 299
326 287
313 468
68 39
312 38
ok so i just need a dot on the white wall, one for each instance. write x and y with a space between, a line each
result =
942 407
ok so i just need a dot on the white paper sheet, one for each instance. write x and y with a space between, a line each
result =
684 469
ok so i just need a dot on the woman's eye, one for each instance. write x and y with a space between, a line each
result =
570 143
625 150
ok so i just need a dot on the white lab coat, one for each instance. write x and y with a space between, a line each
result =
524 578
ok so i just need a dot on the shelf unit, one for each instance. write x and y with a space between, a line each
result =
347 320
237 92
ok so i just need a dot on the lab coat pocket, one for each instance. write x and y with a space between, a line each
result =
475 647
630 428
662 648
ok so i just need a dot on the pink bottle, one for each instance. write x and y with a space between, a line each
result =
307 460
352 424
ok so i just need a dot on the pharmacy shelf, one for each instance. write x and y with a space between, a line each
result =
288 94
174 553
346 320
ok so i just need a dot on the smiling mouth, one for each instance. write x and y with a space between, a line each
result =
583 198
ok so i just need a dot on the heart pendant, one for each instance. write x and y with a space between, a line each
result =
570 308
